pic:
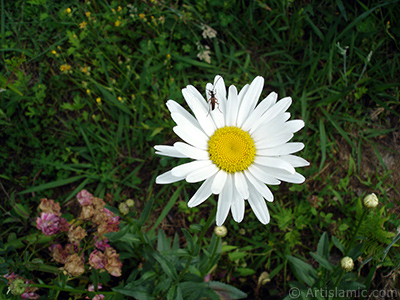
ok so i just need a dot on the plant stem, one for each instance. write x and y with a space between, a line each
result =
356 231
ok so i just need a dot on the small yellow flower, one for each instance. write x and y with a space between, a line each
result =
113 10
168 56
142 16
119 99
82 25
88 14
117 23
54 52
88 91
119 8
85 70
68 10
65 68
98 100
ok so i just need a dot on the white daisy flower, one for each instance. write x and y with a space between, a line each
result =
237 148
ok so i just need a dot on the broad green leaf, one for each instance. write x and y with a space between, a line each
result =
168 267
304 271
322 261
323 246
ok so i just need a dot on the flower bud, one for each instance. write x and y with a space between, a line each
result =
17 287
123 208
347 263
220 231
371 201
130 202
264 278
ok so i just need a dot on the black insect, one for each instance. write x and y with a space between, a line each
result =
213 101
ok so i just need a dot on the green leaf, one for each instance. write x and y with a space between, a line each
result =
167 266
146 212
303 270
338 244
323 246
245 271
52 184
236 255
227 290
322 261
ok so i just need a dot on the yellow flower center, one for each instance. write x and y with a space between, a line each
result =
231 149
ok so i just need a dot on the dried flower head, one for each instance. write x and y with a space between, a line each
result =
61 253
97 260
87 212
75 264
84 197
113 264
49 206
76 234
208 32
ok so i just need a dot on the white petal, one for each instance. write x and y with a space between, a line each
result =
260 110
168 151
292 178
243 92
259 207
277 173
219 182
272 141
272 127
295 161
284 149
202 193
232 107
200 109
198 95
241 185
261 175
237 207
175 107
250 100
167 178
190 151
259 186
224 201
202 173
182 121
188 136
185 169
294 125
278 108
274 162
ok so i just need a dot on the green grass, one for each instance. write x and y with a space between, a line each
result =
339 62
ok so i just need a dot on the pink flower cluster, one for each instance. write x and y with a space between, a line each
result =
93 214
